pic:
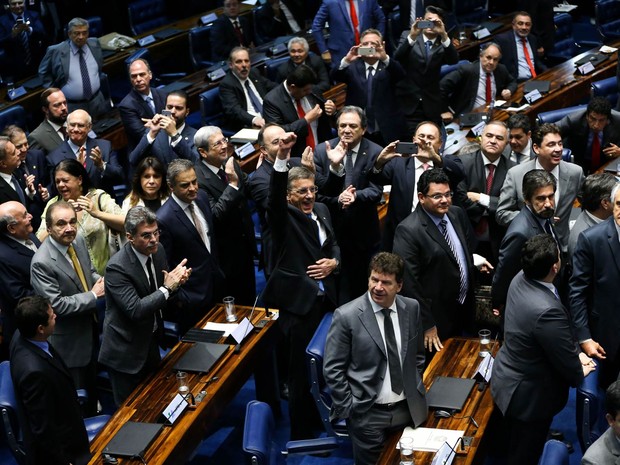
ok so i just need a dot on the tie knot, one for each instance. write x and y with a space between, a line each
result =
491 167
386 312
429 43
148 262
524 40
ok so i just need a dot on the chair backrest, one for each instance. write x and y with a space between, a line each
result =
15 114
257 434
607 17
564 46
470 12
556 115
445 69
200 46
554 453
607 88
95 26
590 410
146 14
211 107
272 65
393 30
8 413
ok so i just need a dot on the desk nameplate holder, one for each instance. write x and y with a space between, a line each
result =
174 409
16 93
533 96
481 33
146 40
586 68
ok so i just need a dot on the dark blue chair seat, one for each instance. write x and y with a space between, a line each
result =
554 453
607 17
212 111
145 15
556 115
15 114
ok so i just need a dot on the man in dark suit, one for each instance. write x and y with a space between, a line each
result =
593 292
225 184
371 81
62 67
142 102
242 91
299 51
138 284
10 186
306 256
54 432
23 38
230 30
52 131
96 155
293 106
606 449
436 243
419 93
478 193
186 225
593 134
403 173
521 52
520 137
272 22
345 26
535 218
463 90
168 137
540 357
33 162
343 167
17 246
63 273
374 393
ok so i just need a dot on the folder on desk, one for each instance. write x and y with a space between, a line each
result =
449 393
201 357
168 32
541 86
133 439
594 58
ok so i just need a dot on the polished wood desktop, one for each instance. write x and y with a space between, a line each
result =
459 358
175 443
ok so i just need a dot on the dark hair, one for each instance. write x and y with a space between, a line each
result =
432 123
53 207
137 216
612 399
301 76
595 188
538 255
436 11
542 130
45 94
435 175
519 121
486 45
136 183
371 30
387 263
30 313
261 134
76 169
180 93
12 130
599 105
353 109
176 167
534 180
520 13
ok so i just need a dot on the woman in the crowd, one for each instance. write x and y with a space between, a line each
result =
148 187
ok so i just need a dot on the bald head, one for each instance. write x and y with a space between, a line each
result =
79 124
15 221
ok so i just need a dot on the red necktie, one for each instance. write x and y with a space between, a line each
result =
526 53
238 32
310 137
355 22
596 153
491 168
488 92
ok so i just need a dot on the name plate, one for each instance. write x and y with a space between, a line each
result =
175 409
16 93
146 40
586 68
481 33
477 129
219 73
242 330
485 369
532 96
245 150
206 19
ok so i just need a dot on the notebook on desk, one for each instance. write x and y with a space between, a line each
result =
541 86
133 439
449 393
594 58
201 357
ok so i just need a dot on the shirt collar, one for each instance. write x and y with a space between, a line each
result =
141 257
181 203
213 168
486 161
61 247
555 171
376 307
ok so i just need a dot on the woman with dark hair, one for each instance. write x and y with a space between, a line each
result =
97 213
148 187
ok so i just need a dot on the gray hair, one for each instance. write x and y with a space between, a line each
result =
136 216
6 220
298 40
76 22
201 139
353 109
3 141
89 120
177 167
614 192
296 173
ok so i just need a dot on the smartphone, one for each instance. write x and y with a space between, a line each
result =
365 51
407 148
19 20
426 24
167 113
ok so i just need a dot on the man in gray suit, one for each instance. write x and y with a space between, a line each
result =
606 449
138 285
547 144
374 358
52 131
63 273
75 66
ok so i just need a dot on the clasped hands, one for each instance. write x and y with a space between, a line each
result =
177 277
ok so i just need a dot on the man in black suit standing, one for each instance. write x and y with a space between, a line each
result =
302 284
54 432
463 89
142 102
540 357
299 52
293 106
230 31
371 80
520 137
521 52
343 167
52 131
10 187
419 92
225 184
242 91
138 285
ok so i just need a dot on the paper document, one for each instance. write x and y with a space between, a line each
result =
431 439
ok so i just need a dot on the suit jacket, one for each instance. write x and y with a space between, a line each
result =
223 38
15 53
507 42
317 65
356 360
511 195
575 133
35 164
7 193
44 137
539 358
459 88
421 84
268 25
53 277
106 179
296 246
341 35
279 108
54 68
475 181
131 308
605 450
48 406
386 109
234 102
432 273
133 108
584 221
593 286
163 151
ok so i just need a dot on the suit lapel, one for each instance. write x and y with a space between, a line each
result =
612 239
480 173
369 321
346 14
137 270
433 231
184 220
403 323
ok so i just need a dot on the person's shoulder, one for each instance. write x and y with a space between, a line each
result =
571 168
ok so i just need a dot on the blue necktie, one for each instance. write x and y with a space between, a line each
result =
369 110
428 45
88 92
18 189
258 107
315 227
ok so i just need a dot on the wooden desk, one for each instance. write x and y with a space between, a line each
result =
458 358
175 443
470 49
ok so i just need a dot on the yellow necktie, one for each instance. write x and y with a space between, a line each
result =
78 268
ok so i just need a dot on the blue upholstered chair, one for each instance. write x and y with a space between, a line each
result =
212 111
145 15
14 114
554 453
200 46
607 17
607 88
590 410
556 115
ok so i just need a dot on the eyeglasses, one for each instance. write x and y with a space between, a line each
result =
223 141
305 190
447 196
147 236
